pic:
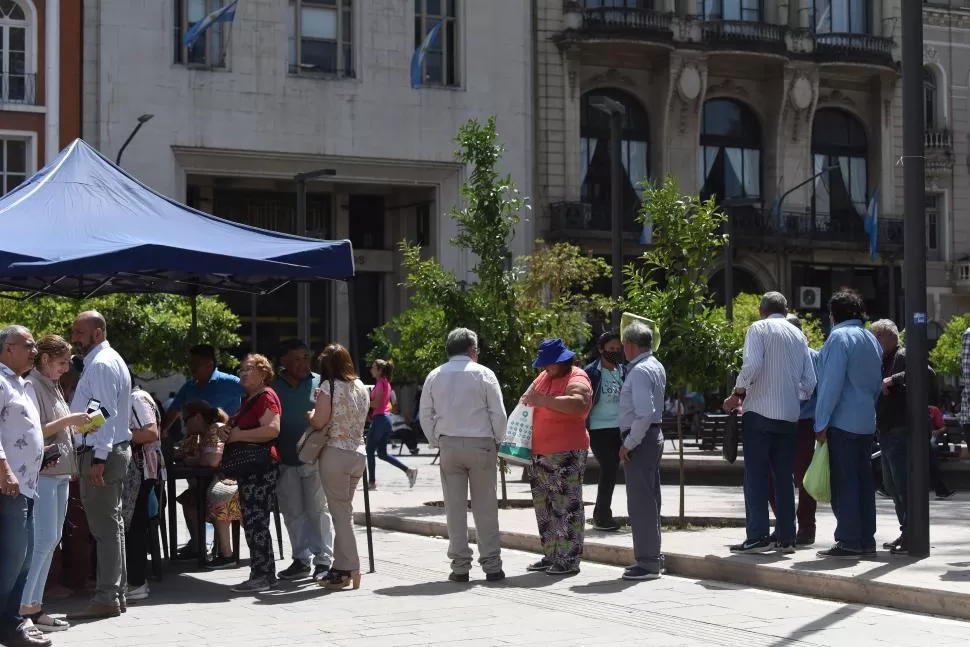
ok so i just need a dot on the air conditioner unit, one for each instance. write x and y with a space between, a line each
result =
809 297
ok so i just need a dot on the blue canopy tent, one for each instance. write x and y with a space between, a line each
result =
82 226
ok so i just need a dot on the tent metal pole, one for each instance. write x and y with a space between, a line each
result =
194 327
303 287
253 323
355 352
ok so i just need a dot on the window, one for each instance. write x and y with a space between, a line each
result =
839 143
729 158
739 10
209 49
16 86
932 210
841 16
594 162
441 60
618 4
13 164
930 99
320 34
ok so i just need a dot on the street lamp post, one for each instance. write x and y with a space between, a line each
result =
303 287
144 119
616 111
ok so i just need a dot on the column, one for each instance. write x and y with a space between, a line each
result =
52 79
804 14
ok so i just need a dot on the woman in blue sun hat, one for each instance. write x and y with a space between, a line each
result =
561 396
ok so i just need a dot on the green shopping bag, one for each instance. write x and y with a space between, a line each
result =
817 481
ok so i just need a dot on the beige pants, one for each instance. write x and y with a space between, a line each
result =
471 463
340 472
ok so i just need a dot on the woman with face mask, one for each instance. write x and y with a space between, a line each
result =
606 375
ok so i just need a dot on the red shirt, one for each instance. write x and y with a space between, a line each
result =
936 418
554 432
252 410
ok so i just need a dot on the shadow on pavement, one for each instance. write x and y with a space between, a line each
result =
288 593
605 586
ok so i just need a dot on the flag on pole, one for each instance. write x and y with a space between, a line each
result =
871 223
222 14
417 61
646 234
776 211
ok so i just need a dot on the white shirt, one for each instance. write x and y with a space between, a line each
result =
21 433
462 398
778 371
106 379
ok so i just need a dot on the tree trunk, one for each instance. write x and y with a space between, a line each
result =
680 441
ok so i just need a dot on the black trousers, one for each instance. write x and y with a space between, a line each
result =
605 444
136 537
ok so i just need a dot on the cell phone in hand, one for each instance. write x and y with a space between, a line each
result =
51 455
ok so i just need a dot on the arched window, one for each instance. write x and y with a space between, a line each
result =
841 16
594 147
930 100
729 158
14 80
738 10
839 143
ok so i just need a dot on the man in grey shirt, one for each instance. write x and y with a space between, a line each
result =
641 409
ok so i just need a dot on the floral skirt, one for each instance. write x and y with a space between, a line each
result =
222 500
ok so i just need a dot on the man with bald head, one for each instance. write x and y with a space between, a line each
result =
103 457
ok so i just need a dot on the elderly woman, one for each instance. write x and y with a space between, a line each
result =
340 414
562 397
258 425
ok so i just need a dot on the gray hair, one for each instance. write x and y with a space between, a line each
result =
461 341
9 331
638 334
774 303
794 320
884 326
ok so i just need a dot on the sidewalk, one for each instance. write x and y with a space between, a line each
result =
939 584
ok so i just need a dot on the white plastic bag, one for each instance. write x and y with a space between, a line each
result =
517 448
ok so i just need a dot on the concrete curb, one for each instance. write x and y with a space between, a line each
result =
854 590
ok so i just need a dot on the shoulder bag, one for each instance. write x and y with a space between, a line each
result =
312 441
242 459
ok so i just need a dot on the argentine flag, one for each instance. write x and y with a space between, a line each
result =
222 14
417 61
871 223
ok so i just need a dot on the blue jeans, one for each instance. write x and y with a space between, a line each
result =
769 446
895 465
52 493
377 437
16 549
853 489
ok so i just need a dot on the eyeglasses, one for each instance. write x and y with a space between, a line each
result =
245 369
29 345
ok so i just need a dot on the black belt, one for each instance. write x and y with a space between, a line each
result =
626 432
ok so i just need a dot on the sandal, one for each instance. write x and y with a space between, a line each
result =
47 624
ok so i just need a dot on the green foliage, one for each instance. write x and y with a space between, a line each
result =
510 308
671 288
945 356
746 312
151 331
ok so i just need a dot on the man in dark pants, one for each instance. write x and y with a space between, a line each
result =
606 375
641 410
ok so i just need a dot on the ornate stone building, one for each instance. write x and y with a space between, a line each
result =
744 100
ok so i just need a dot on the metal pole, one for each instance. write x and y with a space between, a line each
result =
729 267
303 287
354 349
616 206
194 326
142 120
253 325
914 266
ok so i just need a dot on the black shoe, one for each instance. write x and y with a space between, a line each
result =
562 569
639 574
296 571
187 551
754 546
945 495
606 525
899 549
785 547
321 572
219 562
889 545
839 551
804 540
497 576
461 578
541 565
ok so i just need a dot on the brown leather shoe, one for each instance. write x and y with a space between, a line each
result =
24 639
96 611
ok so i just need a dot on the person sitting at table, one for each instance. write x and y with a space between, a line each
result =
203 446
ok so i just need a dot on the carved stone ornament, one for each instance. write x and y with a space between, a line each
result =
836 97
689 83
801 93
611 76
729 87
930 55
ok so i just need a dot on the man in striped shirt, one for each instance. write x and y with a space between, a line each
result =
777 373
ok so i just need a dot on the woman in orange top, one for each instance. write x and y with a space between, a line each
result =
562 397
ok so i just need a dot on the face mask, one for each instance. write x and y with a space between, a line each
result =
614 357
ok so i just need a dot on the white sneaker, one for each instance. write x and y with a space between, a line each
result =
412 476
138 593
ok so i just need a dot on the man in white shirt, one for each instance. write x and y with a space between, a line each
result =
777 373
21 456
462 413
103 457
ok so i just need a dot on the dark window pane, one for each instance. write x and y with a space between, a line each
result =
366 216
17 62
13 181
346 29
432 64
18 39
16 156
451 8
434 7
196 52
450 42
418 32
418 7
320 56
348 60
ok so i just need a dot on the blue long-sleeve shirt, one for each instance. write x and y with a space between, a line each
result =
849 379
808 406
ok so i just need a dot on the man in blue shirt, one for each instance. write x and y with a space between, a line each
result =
207 383
849 385
300 491
606 376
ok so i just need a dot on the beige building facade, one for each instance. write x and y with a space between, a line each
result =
749 101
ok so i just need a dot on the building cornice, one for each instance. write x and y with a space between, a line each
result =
957 17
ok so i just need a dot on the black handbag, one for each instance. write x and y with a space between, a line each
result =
731 437
241 459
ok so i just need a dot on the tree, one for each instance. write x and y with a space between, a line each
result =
670 287
746 313
151 331
945 356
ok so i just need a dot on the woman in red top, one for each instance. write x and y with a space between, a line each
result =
258 421
562 397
